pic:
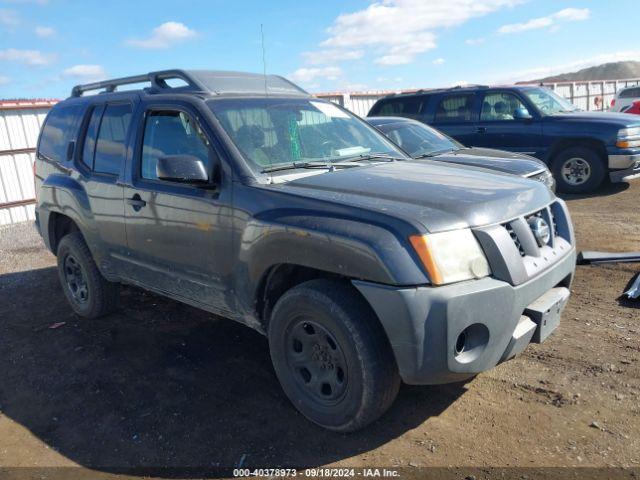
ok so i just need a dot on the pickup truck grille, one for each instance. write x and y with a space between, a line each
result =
523 247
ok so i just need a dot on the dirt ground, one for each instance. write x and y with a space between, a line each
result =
160 384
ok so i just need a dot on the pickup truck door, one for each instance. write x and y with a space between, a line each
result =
501 125
454 114
179 235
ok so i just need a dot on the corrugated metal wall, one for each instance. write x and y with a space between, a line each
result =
20 124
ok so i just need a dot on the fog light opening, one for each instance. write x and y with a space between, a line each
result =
461 342
471 342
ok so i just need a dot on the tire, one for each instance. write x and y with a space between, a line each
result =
323 333
88 292
578 170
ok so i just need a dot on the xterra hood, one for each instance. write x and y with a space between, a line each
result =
507 162
432 195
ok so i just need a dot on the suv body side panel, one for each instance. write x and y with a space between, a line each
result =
180 242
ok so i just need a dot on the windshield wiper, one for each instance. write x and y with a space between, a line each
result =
372 156
297 165
439 152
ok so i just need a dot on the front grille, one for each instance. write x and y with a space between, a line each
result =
513 251
515 239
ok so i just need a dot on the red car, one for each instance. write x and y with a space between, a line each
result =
633 108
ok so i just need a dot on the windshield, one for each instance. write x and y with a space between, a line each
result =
419 140
548 102
276 131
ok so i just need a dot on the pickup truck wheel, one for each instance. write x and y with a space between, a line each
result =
332 356
578 170
88 292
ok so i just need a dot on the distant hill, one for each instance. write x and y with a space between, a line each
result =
606 71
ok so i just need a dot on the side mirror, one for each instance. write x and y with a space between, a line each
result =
521 114
181 169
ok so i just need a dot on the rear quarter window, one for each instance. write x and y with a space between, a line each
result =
59 129
455 108
401 107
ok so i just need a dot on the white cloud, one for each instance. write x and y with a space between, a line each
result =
4 80
566 15
438 61
29 57
573 14
307 75
396 31
44 32
8 18
474 41
323 57
85 73
164 36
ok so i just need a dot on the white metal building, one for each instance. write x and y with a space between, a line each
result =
20 123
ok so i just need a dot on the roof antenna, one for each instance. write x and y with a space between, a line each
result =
264 61
266 92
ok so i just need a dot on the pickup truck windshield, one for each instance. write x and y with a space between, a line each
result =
548 102
420 140
279 132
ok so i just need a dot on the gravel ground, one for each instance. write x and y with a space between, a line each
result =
160 384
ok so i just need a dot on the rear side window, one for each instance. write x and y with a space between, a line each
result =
58 131
89 145
171 133
110 144
402 107
455 108
630 93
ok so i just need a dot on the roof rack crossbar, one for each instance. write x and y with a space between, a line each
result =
157 80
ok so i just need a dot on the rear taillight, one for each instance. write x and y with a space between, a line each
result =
613 102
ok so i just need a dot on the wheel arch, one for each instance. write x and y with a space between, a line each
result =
562 144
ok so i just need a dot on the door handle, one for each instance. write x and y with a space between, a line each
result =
481 130
136 202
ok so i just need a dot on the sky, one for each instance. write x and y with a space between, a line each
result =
47 46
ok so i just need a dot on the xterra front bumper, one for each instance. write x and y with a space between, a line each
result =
449 333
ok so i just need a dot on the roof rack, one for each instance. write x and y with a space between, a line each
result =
157 80
470 85
200 81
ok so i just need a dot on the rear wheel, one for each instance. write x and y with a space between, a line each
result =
332 356
88 292
578 170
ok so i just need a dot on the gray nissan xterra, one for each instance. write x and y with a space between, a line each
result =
245 196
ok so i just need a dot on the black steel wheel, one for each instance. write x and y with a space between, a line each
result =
88 292
332 356
316 361
75 279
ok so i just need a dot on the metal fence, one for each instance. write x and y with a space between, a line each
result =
20 123
593 95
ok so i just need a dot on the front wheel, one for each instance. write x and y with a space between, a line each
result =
578 170
331 355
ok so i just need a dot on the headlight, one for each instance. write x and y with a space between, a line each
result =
628 137
546 178
451 256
